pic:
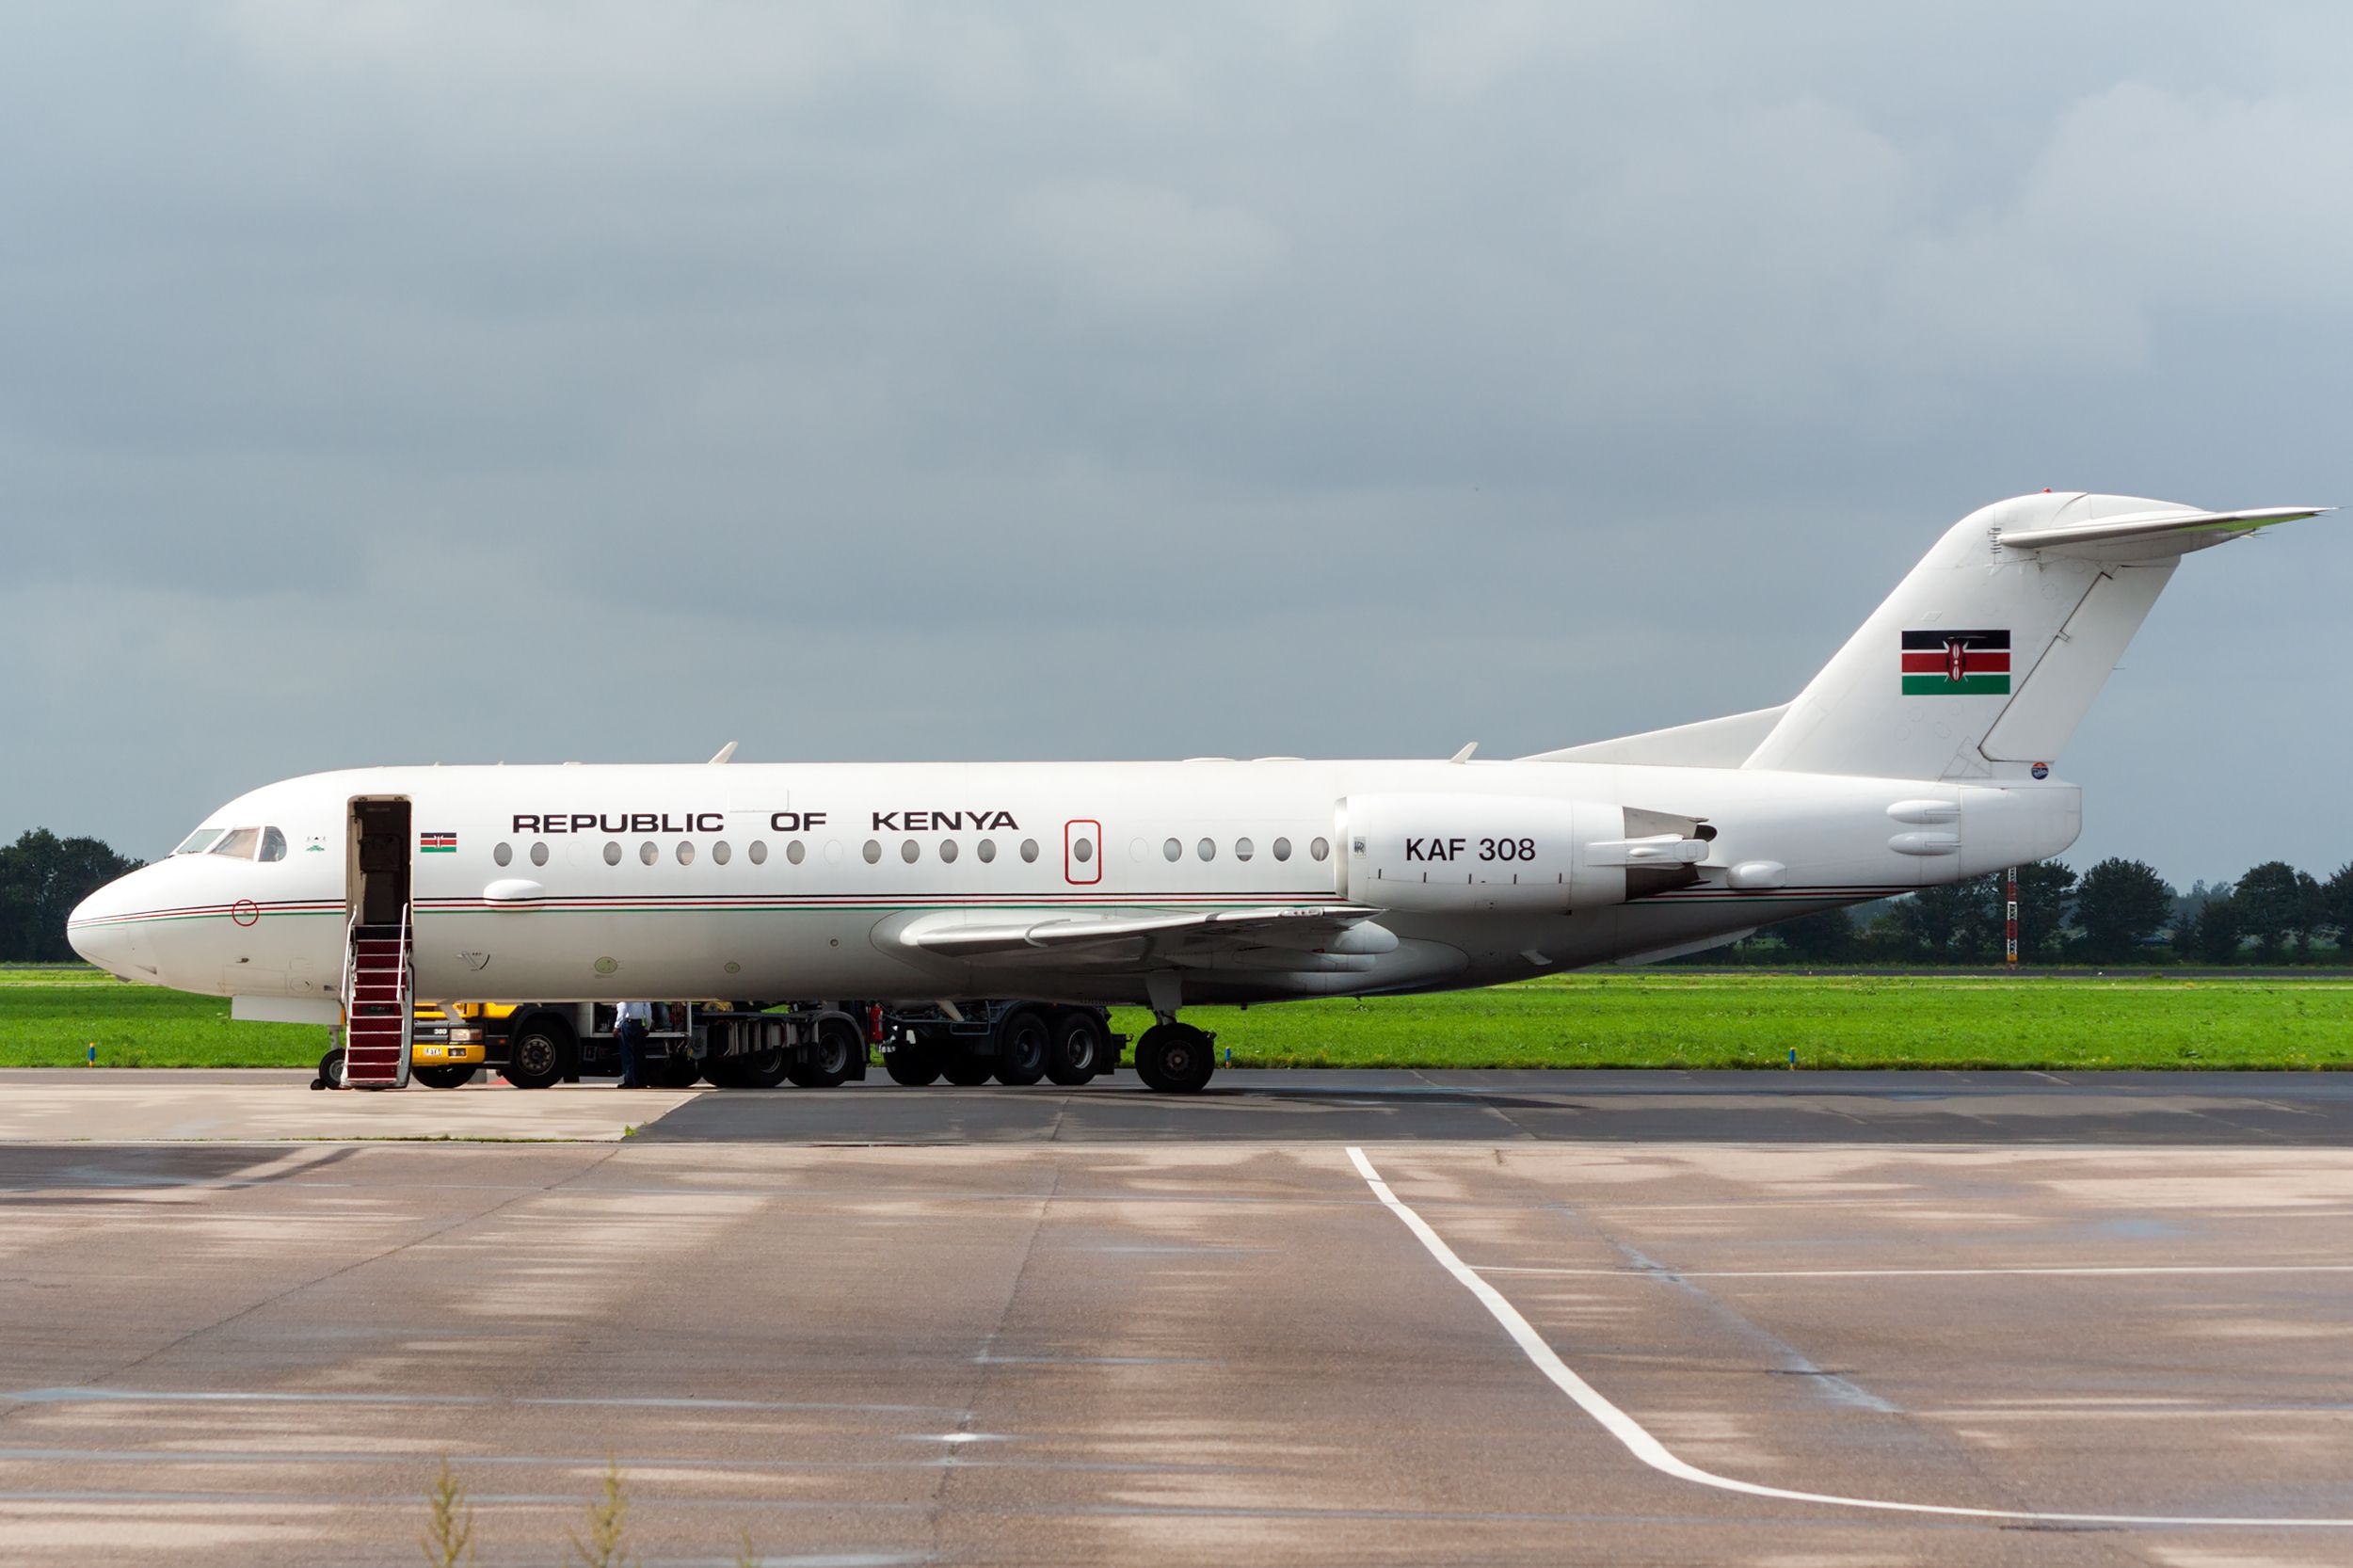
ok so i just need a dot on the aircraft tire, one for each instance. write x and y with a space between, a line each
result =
536 1054
1025 1047
827 1063
443 1078
1175 1059
1076 1056
331 1070
912 1065
966 1070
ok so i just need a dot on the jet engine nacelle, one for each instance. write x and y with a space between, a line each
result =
1470 854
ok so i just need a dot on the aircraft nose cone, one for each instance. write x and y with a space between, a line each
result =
101 931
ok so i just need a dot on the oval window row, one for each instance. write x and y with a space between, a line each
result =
910 851
1174 849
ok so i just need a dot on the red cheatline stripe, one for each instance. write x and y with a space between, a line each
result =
1974 661
299 907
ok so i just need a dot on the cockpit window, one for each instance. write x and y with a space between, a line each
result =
239 842
199 841
273 845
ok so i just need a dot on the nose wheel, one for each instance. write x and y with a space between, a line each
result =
1175 1058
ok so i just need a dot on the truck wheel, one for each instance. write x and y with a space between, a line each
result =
677 1072
445 1078
1077 1051
762 1070
1023 1044
537 1054
964 1069
911 1065
1175 1059
722 1072
826 1061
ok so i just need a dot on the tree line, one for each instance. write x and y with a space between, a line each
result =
42 878
2120 911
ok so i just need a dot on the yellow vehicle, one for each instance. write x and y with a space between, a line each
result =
444 1052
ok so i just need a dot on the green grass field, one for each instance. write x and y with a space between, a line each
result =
49 1017
1658 1018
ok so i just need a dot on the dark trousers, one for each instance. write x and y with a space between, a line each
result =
627 1034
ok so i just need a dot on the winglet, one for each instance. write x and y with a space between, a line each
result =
1465 755
725 752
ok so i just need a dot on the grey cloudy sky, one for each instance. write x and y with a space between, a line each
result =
468 382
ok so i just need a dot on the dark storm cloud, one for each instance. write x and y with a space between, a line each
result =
877 382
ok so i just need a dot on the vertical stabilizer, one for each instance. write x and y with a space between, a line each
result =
1987 656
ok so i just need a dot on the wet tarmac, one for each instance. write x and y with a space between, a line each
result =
1994 1324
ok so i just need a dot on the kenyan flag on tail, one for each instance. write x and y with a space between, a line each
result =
1956 664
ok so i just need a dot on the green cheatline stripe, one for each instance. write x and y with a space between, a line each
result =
437 849
1968 685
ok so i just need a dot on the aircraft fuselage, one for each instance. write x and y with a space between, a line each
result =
755 881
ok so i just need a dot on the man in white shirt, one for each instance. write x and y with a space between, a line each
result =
630 1021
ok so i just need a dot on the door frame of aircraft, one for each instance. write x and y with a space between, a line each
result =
379 817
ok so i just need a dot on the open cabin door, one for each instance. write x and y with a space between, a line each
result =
380 966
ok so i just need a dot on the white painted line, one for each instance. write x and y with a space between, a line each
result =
1930 1273
1637 1441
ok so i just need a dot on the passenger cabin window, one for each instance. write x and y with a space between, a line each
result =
649 852
685 852
872 851
538 854
612 854
200 841
1207 848
719 853
503 855
793 851
1282 849
273 845
1029 849
240 842
987 850
947 851
910 850
1320 849
1242 850
1174 849
760 852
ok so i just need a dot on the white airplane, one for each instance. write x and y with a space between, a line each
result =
1921 753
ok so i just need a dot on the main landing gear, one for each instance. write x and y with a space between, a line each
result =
1175 1058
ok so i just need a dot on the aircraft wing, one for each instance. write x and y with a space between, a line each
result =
1307 930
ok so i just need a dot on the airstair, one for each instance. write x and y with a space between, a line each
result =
379 989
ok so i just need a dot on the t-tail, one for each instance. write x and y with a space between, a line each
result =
1985 658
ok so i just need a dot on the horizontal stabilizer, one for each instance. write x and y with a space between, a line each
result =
2148 536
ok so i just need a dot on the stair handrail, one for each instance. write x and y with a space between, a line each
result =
349 985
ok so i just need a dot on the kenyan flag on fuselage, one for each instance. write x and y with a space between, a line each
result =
446 843
1956 664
